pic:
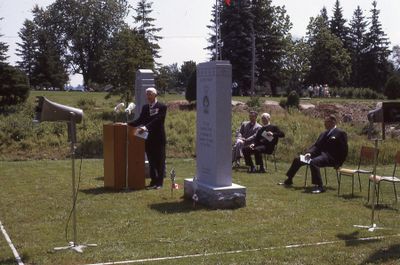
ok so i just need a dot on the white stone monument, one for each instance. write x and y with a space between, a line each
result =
212 185
144 80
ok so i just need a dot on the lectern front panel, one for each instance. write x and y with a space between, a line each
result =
115 159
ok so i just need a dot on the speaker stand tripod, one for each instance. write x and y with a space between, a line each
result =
373 226
73 245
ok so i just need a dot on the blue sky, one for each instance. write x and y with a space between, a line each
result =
184 22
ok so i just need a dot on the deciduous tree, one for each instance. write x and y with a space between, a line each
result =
128 51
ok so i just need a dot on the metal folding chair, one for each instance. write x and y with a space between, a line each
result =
391 179
367 156
265 157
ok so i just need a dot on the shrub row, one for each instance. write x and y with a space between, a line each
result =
351 92
21 139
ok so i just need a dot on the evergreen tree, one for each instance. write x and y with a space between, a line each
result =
236 26
358 27
329 61
271 30
392 87
27 49
14 86
213 35
146 26
3 49
315 26
324 16
191 89
50 68
376 67
338 24
186 71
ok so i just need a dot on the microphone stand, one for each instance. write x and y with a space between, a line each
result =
73 244
373 226
126 153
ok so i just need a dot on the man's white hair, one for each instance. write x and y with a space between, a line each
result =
266 116
152 90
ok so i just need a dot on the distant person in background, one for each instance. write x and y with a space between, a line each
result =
151 120
310 90
235 89
330 150
316 90
264 142
326 91
245 136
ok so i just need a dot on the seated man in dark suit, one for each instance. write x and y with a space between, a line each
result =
264 142
330 150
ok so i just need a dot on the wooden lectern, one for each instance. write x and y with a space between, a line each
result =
115 161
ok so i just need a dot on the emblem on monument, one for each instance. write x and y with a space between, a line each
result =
206 101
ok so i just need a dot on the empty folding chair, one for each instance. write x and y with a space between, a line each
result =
367 156
391 179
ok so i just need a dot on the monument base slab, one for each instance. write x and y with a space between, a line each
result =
228 197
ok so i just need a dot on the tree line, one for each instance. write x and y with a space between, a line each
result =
335 51
91 38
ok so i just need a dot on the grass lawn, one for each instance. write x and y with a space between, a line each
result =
35 201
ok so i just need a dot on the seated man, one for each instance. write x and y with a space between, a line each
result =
264 142
245 136
330 150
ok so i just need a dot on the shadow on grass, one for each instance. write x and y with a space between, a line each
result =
102 190
350 197
392 253
9 261
381 207
183 206
352 239
12 261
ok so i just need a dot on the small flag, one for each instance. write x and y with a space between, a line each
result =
228 2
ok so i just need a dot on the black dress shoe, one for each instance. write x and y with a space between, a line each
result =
262 170
251 170
318 189
287 183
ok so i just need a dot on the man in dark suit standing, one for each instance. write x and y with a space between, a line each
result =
330 150
151 120
264 142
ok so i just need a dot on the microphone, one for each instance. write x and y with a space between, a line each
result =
130 108
119 107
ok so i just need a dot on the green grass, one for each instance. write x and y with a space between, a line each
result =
35 200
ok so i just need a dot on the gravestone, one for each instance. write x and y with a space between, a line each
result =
212 185
144 80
